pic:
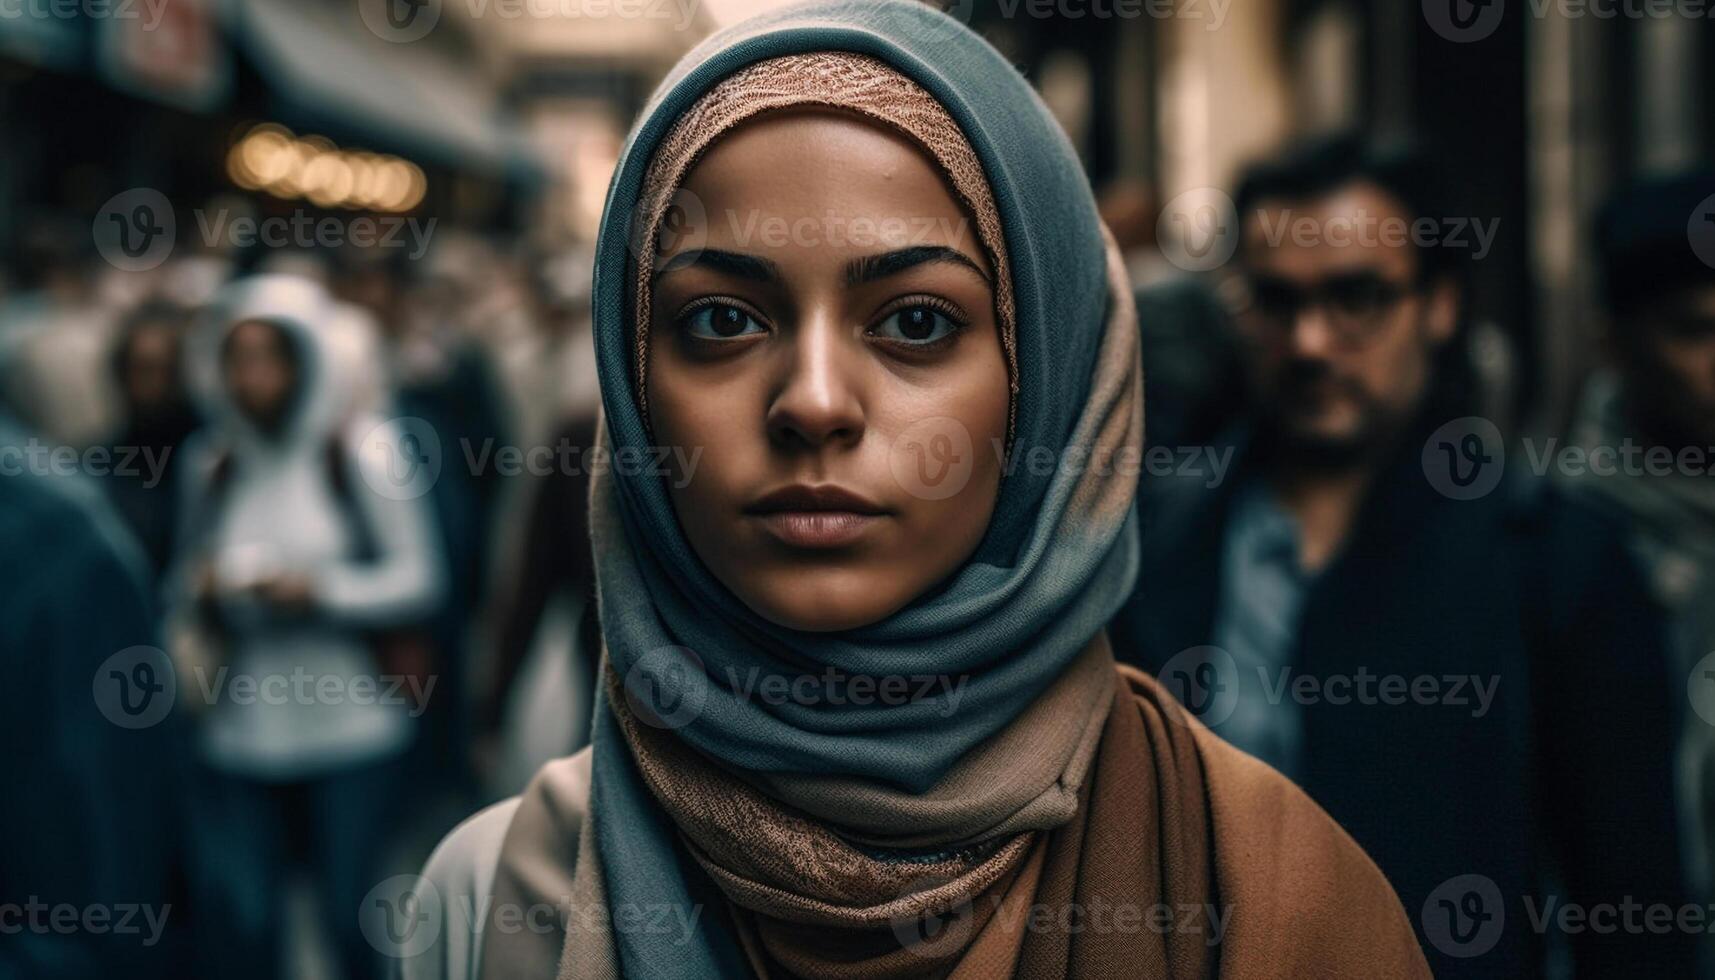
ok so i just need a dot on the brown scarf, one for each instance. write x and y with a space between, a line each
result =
800 890
1185 859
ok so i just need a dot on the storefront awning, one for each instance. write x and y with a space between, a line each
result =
330 74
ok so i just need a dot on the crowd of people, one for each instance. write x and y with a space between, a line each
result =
1377 580
277 483
208 461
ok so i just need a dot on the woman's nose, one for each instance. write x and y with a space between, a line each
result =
817 401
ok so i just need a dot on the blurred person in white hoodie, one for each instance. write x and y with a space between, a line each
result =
305 570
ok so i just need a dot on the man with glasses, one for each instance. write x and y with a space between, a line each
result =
1359 602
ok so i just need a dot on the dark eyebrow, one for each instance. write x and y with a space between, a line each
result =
873 267
1358 277
731 263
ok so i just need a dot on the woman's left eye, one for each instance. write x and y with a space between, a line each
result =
916 325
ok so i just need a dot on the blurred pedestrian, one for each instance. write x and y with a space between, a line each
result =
305 571
444 382
547 639
55 337
1329 598
157 418
1647 425
92 832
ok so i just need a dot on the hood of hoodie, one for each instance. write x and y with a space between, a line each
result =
313 324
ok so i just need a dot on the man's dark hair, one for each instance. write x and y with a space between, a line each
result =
1410 174
1323 165
1644 241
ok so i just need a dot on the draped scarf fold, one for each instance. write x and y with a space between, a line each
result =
785 850
1185 858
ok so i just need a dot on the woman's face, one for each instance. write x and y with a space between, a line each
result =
825 338
261 373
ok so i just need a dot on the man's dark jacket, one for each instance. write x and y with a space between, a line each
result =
1568 769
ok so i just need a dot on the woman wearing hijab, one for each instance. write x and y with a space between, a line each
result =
859 716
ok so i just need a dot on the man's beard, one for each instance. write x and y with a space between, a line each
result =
1307 448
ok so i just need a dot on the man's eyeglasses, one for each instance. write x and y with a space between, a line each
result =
1355 307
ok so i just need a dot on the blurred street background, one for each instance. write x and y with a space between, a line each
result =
420 182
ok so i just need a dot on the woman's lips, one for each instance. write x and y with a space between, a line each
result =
818 528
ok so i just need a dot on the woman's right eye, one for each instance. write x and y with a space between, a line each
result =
719 321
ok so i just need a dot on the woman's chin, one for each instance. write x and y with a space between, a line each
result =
823 601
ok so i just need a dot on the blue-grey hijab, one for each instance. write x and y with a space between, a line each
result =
1046 578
